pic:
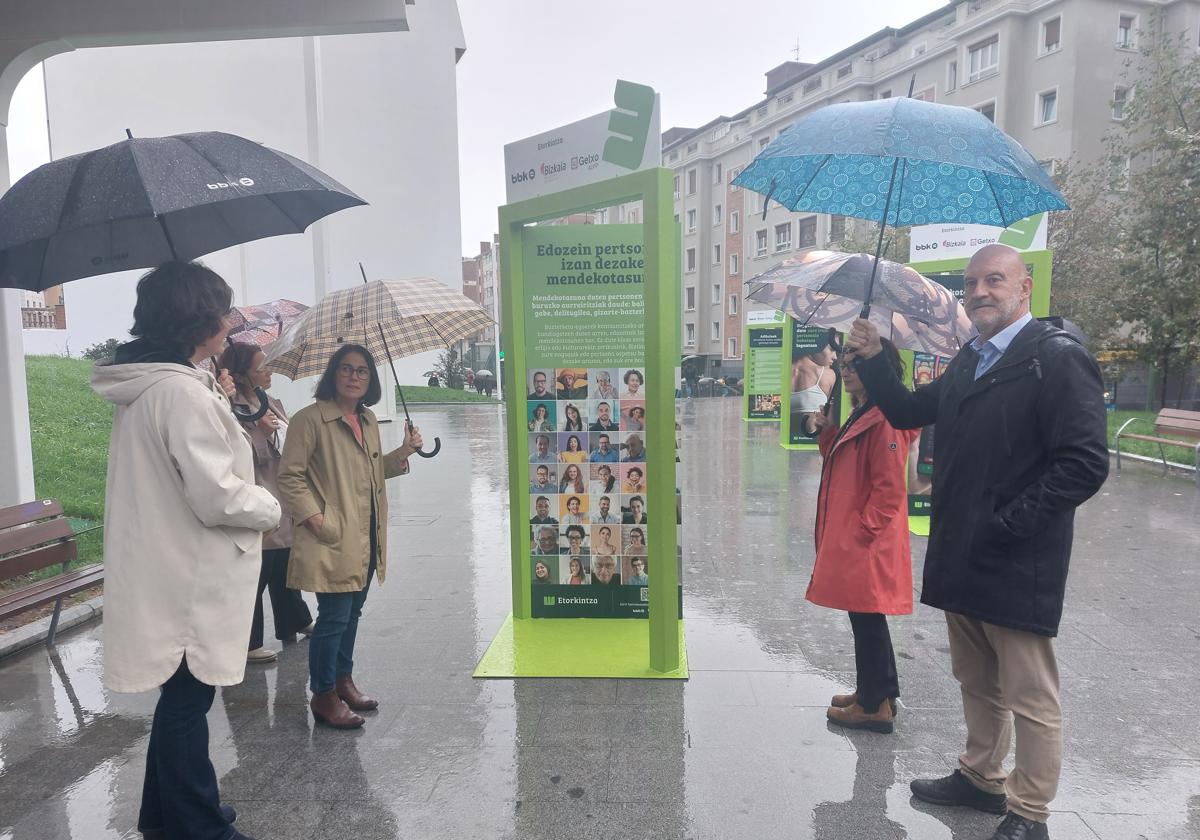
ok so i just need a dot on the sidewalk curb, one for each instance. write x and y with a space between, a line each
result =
36 632
1146 459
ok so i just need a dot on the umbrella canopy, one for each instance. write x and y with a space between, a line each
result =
143 201
827 289
484 372
414 315
264 323
926 163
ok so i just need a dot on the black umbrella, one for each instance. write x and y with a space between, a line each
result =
143 201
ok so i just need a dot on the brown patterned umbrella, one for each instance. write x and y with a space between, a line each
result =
391 318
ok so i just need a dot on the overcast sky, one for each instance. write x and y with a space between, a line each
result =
532 65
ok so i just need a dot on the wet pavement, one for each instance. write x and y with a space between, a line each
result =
741 750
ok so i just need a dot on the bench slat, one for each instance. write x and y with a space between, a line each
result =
22 539
41 558
1185 444
50 590
29 512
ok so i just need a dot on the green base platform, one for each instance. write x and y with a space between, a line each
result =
575 647
919 525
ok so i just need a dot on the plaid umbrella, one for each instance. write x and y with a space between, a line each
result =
827 289
265 323
414 316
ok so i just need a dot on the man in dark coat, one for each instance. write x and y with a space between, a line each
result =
1021 442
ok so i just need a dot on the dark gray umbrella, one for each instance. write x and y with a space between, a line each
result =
143 201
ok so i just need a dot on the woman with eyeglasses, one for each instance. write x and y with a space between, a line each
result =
863 563
332 482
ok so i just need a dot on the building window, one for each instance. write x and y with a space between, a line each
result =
885 94
984 59
718 214
760 243
673 156
733 304
924 95
1127 32
716 255
1120 102
762 112
1047 107
733 263
716 333
692 147
716 297
677 186
783 236
763 142
691 182
918 49
1119 173
806 232
1051 40
689 298
952 76
732 353
691 220
690 259
988 109
812 85
735 221
1048 166
689 335
716 173
844 70
786 99
837 228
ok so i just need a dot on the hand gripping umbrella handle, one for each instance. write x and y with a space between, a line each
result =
254 416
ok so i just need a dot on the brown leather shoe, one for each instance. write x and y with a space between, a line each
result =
844 701
355 699
328 709
854 717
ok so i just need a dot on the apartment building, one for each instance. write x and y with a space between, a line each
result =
482 273
1050 73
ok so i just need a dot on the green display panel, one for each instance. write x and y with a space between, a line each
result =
809 382
590 340
764 343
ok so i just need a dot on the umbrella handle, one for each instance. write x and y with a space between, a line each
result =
437 447
255 416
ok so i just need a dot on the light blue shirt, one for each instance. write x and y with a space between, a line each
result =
994 348
598 457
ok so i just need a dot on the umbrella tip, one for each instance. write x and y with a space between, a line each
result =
128 134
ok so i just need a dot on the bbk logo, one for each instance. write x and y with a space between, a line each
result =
522 177
928 246
240 182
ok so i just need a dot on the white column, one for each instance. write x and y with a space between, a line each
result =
16 451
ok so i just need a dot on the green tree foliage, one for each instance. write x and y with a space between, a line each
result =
451 369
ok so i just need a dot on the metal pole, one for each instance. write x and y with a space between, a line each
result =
866 307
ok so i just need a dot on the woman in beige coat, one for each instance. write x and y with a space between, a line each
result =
332 482
183 525
267 434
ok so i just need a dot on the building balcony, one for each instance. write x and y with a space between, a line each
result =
43 318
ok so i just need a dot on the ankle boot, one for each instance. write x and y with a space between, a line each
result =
855 717
845 701
355 699
328 709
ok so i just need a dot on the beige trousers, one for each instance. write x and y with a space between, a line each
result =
1009 680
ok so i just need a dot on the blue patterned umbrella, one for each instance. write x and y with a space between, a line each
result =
903 162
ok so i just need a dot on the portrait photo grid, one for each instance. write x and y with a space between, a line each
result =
587 476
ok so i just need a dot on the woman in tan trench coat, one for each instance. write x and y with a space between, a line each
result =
331 481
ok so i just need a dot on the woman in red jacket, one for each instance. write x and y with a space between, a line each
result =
863 561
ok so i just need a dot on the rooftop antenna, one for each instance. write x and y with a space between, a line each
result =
796 49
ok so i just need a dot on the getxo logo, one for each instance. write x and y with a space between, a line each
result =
522 177
240 182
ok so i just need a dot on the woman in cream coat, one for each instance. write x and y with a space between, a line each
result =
183 530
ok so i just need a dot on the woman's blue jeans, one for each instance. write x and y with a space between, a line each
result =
331 647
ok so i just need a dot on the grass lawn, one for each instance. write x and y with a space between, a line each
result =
70 425
1116 419
415 394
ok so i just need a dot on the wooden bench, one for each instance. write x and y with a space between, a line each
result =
1170 421
36 536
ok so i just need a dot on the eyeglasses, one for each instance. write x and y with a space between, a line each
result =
351 372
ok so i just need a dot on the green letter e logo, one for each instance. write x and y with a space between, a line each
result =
630 118
1020 234
548 600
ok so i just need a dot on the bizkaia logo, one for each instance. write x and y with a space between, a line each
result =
925 246
522 177
223 185
553 168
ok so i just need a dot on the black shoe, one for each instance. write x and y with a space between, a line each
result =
1016 827
956 790
228 813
